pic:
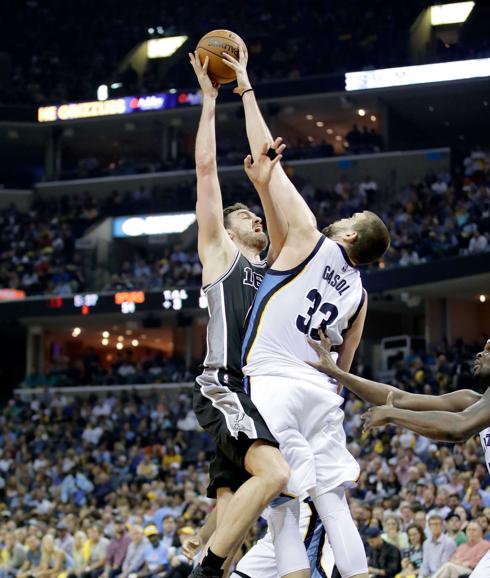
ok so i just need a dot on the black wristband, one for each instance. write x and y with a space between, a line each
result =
271 153
248 90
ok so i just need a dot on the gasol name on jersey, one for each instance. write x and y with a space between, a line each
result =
335 280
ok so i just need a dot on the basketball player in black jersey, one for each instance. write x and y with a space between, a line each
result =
248 470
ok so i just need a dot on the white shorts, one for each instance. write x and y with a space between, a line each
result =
307 421
482 569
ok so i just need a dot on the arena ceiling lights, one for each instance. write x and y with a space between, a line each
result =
457 13
147 225
423 74
164 47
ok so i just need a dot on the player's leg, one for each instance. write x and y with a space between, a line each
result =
290 552
482 570
269 474
347 546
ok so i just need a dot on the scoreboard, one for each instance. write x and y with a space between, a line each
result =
122 302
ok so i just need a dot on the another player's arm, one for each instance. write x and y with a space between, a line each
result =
193 545
284 194
377 393
437 425
215 248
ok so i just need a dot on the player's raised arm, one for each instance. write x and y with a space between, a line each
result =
214 245
437 425
377 393
260 172
282 190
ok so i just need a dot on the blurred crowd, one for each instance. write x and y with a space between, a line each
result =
100 487
422 508
110 485
51 62
359 140
439 215
46 64
89 368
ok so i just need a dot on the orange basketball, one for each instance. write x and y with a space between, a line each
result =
213 44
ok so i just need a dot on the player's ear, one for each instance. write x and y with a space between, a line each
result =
350 236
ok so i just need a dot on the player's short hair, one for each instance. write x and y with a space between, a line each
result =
373 239
227 211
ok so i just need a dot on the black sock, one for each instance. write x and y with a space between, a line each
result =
213 562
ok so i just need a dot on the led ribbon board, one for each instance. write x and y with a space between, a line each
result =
118 106
423 74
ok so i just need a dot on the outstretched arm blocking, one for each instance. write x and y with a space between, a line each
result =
377 393
437 425
284 193
209 206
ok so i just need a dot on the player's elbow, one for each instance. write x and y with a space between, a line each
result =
467 398
205 164
456 432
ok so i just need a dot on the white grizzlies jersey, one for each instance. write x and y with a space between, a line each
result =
325 291
485 442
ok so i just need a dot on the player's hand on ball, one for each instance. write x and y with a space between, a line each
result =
378 416
325 363
207 86
240 68
191 547
260 170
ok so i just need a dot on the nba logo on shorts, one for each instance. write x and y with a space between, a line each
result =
225 378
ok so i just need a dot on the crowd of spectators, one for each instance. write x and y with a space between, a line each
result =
110 484
103 486
359 140
52 62
89 368
439 215
172 267
423 508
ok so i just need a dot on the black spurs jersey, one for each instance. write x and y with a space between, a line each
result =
229 299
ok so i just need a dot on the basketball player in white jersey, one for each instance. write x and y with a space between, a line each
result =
229 244
314 283
453 417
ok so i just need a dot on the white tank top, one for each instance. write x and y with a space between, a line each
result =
485 442
325 290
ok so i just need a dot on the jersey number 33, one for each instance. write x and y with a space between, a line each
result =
328 310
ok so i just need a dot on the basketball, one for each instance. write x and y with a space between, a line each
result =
213 44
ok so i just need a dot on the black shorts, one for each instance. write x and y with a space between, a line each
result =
223 473
232 420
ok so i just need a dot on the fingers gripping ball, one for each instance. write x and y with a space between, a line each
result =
213 44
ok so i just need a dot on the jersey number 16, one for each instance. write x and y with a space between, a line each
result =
303 323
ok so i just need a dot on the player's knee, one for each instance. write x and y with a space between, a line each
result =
280 480
267 463
277 478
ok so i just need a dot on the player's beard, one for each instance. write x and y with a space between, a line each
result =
257 241
332 229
